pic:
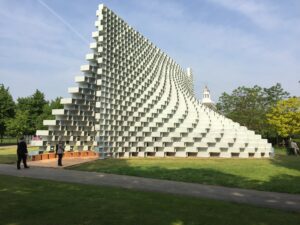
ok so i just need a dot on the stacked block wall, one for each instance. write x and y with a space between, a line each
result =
133 100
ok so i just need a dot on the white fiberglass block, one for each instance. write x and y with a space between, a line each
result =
90 56
203 154
49 122
85 68
42 132
66 101
79 78
95 34
73 90
58 111
37 143
181 154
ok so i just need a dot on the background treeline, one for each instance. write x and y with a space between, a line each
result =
26 115
271 112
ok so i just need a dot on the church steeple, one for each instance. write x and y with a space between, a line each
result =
206 96
206 99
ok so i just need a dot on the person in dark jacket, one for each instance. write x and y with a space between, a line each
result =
60 152
22 153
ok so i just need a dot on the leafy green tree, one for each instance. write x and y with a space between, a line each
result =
30 112
274 94
285 117
7 108
19 125
34 104
249 106
23 103
55 104
244 105
271 96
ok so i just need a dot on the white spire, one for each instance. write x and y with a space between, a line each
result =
206 99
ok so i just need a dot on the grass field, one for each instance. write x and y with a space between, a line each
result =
27 201
8 155
8 141
281 174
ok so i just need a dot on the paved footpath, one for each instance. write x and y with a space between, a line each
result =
65 161
281 201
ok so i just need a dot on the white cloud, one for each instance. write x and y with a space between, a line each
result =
259 13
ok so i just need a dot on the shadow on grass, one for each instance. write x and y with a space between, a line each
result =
276 183
29 201
280 183
8 159
285 183
287 161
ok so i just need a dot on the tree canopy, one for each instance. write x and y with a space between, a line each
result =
27 115
249 106
285 117
7 108
19 125
34 104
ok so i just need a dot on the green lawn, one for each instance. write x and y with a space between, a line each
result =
8 141
34 202
281 174
8 155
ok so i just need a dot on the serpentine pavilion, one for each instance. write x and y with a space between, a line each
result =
133 100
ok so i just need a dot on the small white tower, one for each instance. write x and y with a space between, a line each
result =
206 99
190 80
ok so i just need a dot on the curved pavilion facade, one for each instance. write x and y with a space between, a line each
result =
133 100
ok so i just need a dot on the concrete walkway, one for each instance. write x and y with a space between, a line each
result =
52 163
281 201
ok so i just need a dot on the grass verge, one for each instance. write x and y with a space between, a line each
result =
8 155
34 202
8 141
281 174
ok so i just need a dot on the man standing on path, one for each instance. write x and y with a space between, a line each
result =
22 153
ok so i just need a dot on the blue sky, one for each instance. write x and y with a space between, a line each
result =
227 43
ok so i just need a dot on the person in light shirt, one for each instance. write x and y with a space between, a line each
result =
60 152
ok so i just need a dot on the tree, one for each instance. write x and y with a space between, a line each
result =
7 108
285 117
245 106
19 125
274 94
249 106
30 112
271 96
34 104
